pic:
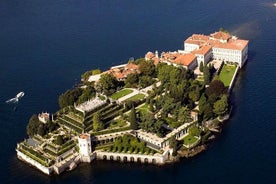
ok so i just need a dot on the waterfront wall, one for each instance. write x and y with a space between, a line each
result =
233 80
125 157
46 170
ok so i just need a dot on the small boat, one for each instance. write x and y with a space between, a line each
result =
19 95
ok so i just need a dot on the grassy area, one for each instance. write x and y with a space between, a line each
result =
137 97
173 123
144 109
121 93
227 73
117 123
189 140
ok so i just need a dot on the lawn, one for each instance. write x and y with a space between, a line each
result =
121 93
189 140
144 109
136 97
117 123
226 74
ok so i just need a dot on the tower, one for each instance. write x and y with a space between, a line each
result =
156 54
85 150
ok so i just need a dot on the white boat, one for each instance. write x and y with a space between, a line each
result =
19 95
16 98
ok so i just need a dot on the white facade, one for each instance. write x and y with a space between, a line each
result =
190 47
237 56
84 145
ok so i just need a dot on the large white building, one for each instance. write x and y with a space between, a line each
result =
85 148
222 45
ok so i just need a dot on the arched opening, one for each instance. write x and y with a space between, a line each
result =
139 159
104 157
118 158
153 161
146 160
125 159
131 159
111 157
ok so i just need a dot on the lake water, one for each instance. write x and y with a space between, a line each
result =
46 45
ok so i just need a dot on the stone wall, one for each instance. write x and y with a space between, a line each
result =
46 170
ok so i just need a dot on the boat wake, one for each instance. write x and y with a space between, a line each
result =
16 98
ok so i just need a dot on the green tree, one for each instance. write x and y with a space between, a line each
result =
132 80
216 88
145 81
41 130
97 122
69 97
206 74
147 68
132 119
183 114
221 106
173 144
33 125
96 71
108 84
59 140
201 66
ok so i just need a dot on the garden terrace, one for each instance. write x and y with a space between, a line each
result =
129 144
90 115
69 125
121 94
109 131
59 150
90 105
75 122
227 73
37 156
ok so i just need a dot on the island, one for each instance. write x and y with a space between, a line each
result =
152 110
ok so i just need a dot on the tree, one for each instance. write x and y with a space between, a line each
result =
216 88
202 102
173 144
147 68
206 74
131 80
221 106
41 130
145 81
33 125
133 119
59 140
96 71
183 114
194 131
69 97
147 122
97 123
108 84
201 66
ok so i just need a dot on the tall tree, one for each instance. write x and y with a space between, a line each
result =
132 119
216 88
97 122
108 84
33 125
221 106
201 66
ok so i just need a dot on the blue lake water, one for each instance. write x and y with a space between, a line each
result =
46 45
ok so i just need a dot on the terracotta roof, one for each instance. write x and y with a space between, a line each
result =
185 59
221 35
84 136
214 41
203 50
